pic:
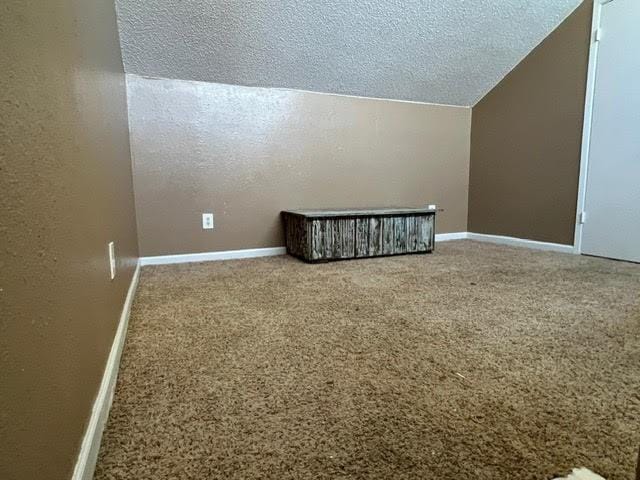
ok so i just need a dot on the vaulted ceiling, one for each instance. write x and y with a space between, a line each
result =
437 51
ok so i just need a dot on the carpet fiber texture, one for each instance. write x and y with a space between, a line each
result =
475 362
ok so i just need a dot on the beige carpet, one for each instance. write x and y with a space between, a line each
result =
475 362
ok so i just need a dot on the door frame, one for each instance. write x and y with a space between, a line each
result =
586 124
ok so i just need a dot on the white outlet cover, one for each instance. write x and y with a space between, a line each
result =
207 221
112 259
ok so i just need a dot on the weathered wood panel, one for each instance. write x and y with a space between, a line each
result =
375 236
422 225
295 233
348 237
327 232
388 238
400 234
317 239
411 234
362 237
336 239
430 232
309 246
340 236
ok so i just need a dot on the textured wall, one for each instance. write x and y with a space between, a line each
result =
525 141
246 153
449 52
65 178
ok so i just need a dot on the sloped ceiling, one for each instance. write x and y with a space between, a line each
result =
437 51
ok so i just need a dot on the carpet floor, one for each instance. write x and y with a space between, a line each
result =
476 362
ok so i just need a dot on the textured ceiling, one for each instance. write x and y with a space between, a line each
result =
450 52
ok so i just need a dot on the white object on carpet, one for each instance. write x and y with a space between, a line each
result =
581 474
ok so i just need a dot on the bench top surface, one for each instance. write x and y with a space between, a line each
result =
358 212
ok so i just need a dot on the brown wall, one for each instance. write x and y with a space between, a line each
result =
65 179
246 153
525 140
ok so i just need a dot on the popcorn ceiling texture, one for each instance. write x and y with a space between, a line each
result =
441 52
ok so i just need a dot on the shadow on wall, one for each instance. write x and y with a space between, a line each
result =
526 137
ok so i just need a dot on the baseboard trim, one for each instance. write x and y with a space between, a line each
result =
248 253
213 256
520 242
90 447
445 237
267 252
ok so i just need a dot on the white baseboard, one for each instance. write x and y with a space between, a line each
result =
90 447
211 256
445 237
520 242
267 252
248 253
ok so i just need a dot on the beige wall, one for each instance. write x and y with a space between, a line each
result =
246 153
65 179
525 140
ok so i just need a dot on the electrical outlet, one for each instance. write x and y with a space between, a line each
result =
112 259
432 207
207 221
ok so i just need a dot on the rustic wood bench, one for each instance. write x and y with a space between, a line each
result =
323 235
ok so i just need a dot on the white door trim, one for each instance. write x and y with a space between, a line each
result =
586 125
